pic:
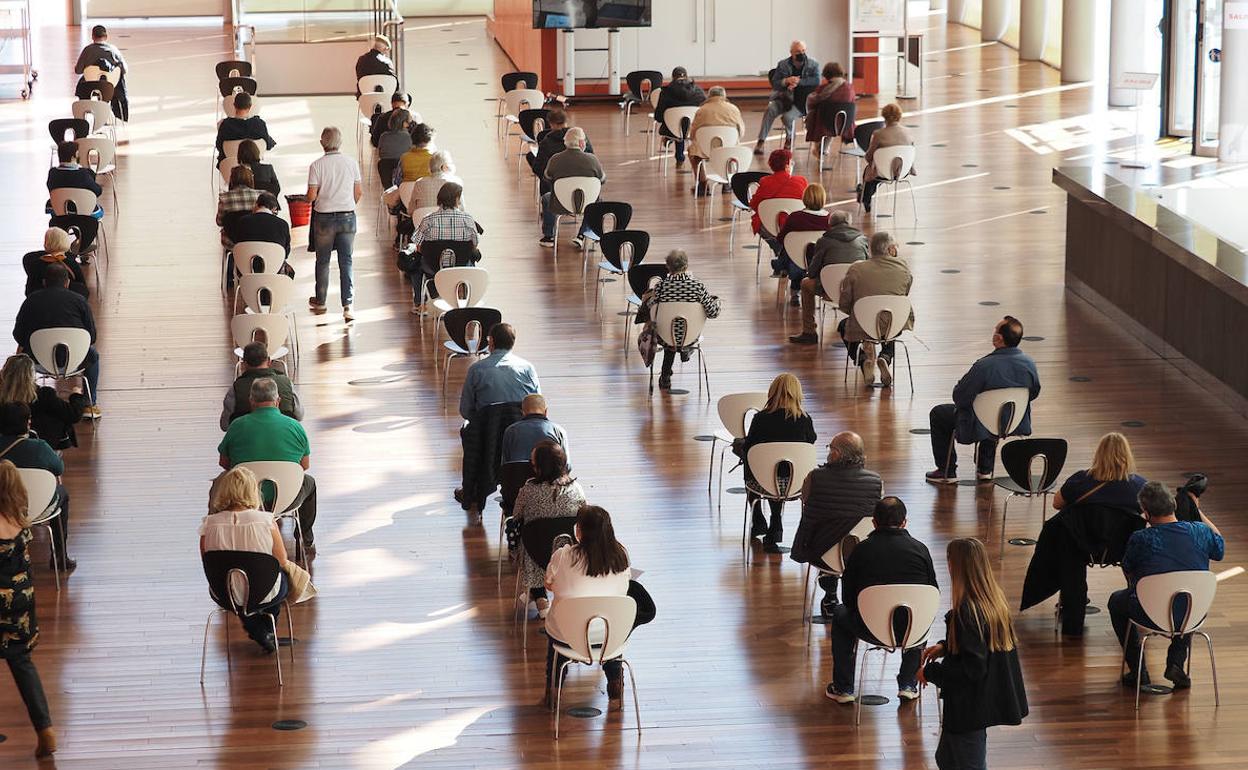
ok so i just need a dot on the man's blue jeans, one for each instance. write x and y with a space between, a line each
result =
334 232
548 218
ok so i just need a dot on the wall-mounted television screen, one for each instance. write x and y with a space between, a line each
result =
590 14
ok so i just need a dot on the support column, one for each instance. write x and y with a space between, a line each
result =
937 5
995 18
957 11
1233 104
1128 28
1032 29
1085 38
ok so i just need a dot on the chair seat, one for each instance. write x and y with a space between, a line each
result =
633 299
454 348
758 490
739 205
441 304
75 373
1008 483
853 150
610 268
595 640
723 435
590 235
279 353
716 179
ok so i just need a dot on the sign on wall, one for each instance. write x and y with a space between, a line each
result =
880 15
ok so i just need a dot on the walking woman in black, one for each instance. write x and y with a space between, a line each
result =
979 677
781 419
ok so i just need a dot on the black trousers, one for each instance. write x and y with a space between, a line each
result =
60 525
258 626
847 629
943 420
851 348
26 677
305 501
1123 608
962 751
774 527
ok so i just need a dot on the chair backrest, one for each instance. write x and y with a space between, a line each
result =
98 114
780 467
735 407
1000 410
830 278
884 316
574 193
899 616
836 117
678 120
532 122
642 82
625 248
594 627
258 257
247 85
642 277
522 99
82 227
231 573
73 200
230 147
655 93
892 163
711 137
769 211
511 476
371 103
468 326
597 215
93 72
538 535
1034 463
727 161
233 68
666 314
743 184
796 244
836 556
285 477
60 350
1177 602
444 254
382 84
96 152
269 328
100 90
64 129
267 292
40 489
513 80
462 286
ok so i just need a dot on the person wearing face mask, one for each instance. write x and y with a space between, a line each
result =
792 80
884 273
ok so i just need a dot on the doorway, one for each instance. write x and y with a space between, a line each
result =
1193 31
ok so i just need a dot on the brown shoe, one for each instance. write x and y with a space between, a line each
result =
615 691
758 148
47 743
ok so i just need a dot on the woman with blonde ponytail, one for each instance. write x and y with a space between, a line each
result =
976 666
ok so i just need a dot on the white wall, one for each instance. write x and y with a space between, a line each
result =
130 8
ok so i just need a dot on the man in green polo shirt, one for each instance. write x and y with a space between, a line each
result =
267 435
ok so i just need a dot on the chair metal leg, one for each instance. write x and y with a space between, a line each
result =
862 672
203 655
1217 701
502 548
632 682
807 610
710 473
559 693
290 628
277 658
446 372
722 452
1005 513
56 567
1139 666
706 373
745 533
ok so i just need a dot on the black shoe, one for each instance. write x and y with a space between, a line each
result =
65 564
805 338
858 194
758 526
685 355
1178 677
826 605
771 546
1128 679
665 382
777 273
308 549
268 643
459 495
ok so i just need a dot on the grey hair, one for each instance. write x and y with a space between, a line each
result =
380 42
263 390
840 217
574 138
439 159
851 449
677 261
717 91
1156 500
880 243
331 139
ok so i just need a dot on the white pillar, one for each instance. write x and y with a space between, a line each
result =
1033 29
1233 106
995 18
1128 29
937 5
1085 38
956 11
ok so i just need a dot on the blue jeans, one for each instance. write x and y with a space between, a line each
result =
334 232
962 751
548 219
789 119
258 626
847 629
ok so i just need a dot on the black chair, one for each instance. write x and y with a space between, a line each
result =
595 219
640 279
259 572
621 249
61 128
529 128
82 227
513 80
435 255
100 90
233 68
539 537
651 79
742 185
836 119
511 476
1020 458
467 328
247 85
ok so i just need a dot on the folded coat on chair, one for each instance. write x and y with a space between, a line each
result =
1098 532
482 439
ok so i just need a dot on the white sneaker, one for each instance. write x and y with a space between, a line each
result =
908 693
578 242
831 693
868 370
886 376
347 315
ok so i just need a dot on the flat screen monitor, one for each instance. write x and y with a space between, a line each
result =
590 14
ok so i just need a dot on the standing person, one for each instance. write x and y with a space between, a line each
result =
680 92
791 81
334 187
841 244
979 677
103 54
781 419
19 630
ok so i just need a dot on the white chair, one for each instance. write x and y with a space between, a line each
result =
74 200
733 410
98 153
515 102
457 287
594 630
1158 596
677 120
720 166
769 212
385 85
779 468
795 244
833 565
669 317
40 496
892 168
272 293
250 257
574 193
92 73
877 605
270 328
710 138
830 278
73 345
369 104
999 411
870 312
654 125
98 114
287 480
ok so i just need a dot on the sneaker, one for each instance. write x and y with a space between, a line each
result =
805 338
347 315
826 605
983 478
578 242
909 692
92 412
941 477
316 305
868 370
886 374
831 693
546 243
1178 677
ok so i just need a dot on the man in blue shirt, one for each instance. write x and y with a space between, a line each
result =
501 377
534 428
1167 545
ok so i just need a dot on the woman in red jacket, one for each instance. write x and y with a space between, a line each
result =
780 183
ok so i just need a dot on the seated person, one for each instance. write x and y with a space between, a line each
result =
551 493
888 556
441 171
678 286
56 243
781 419
573 161
680 92
375 61
263 224
68 174
392 143
812 218
256 364
238 200
835 497
108 57
265 178
56 306
244 126
265 434
893 134
449 223
835 89
715 111
841 244
380 122
236 523
780 183
414 163
883 274
550 142
521 437
1005 367
1167 545
791 79
51 416
20 447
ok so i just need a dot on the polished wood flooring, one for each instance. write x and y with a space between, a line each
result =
408 657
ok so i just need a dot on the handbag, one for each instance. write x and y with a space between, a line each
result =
408 263
301 588
647 344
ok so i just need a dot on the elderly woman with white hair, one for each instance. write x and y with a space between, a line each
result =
56 245
334 187
715 111
679 286
441 171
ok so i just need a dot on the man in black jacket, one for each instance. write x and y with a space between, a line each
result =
262 224
890 556
835 497
376 61
380 122
681 92
57 306
550 142
245 126
69 173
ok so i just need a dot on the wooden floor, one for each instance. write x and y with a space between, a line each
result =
408 656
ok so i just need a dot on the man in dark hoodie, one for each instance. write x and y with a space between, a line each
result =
245 126
681 92
841 244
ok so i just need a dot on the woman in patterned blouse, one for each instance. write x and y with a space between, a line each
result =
679 286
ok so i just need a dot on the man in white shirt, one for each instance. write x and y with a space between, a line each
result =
334 187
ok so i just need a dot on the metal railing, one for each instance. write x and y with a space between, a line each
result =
389 22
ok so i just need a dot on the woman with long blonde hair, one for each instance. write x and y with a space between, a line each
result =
976 666
19 631
1111 480
781 419
51 416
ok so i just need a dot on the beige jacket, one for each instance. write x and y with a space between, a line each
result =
888 136
870 278
715 111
